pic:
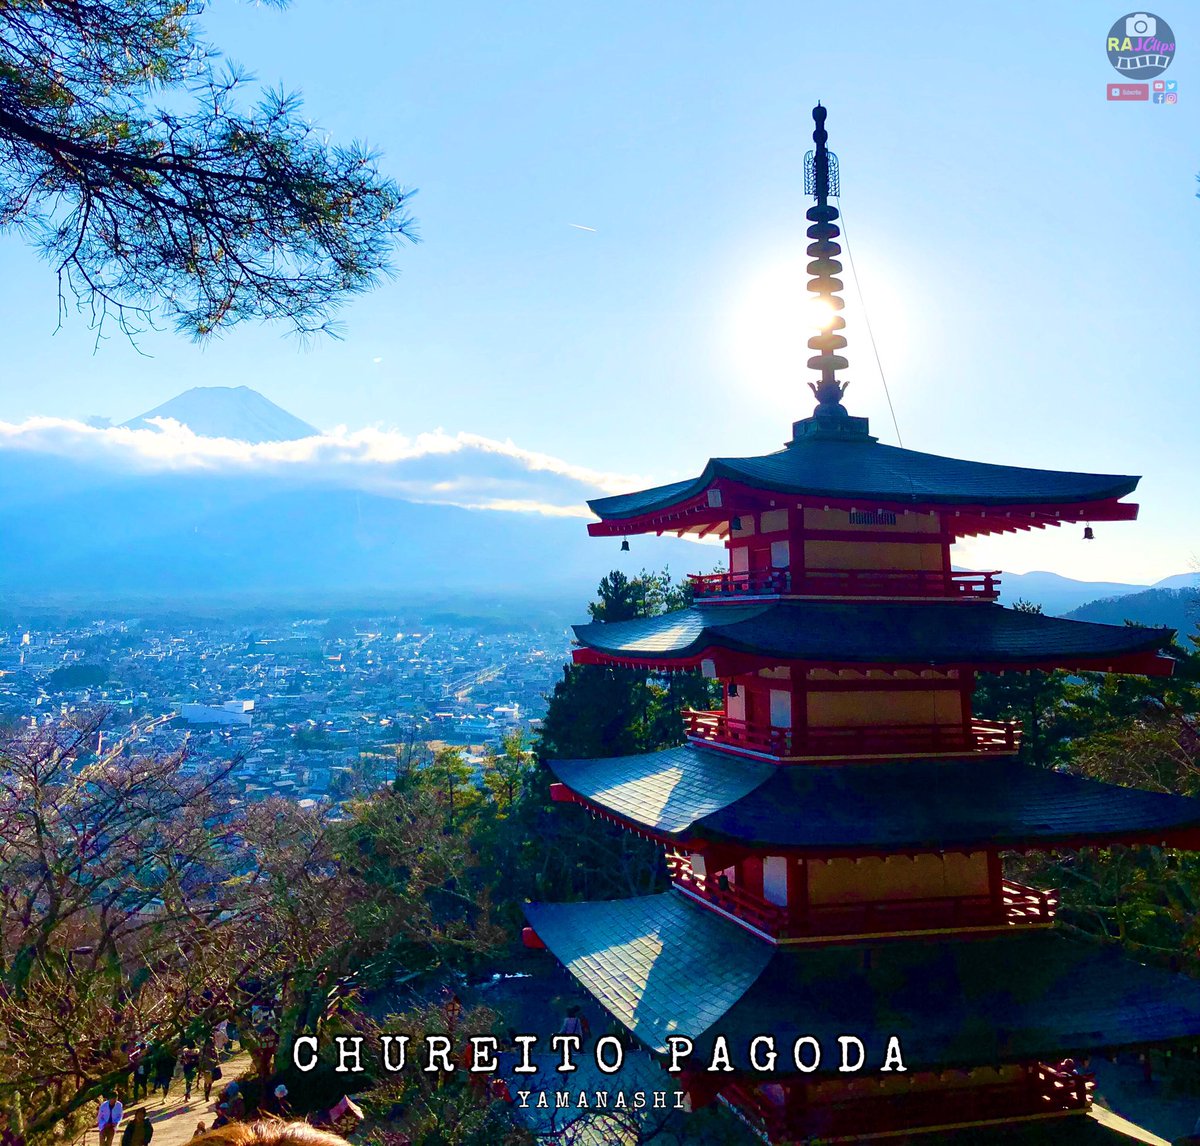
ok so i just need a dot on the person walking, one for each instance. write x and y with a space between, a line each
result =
138 1130
210 1071
164 1069
141 1070
109 1117
189 1063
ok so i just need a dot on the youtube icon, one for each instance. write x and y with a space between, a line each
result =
1128 91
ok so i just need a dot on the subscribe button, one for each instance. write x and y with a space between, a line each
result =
1128 91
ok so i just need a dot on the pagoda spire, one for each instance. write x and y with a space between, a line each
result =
821 180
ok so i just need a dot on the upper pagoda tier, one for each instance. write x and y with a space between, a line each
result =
834 463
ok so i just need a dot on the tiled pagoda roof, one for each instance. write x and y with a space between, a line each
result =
869 632
859 467
664 965
694 793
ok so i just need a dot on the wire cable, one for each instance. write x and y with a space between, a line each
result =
862 302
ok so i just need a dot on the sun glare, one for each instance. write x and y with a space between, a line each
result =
771 317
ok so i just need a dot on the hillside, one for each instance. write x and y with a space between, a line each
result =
1178 608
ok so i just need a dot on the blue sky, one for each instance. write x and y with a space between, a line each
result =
1027 249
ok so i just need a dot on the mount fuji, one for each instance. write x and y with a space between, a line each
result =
235 412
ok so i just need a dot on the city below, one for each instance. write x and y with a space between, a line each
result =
312 709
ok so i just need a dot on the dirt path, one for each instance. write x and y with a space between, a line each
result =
175 1120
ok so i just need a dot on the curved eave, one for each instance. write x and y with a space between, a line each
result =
838 634
983 495
698 516
696 797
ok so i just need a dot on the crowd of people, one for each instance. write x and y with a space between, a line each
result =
197 1065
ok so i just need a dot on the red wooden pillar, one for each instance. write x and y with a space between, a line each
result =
995 884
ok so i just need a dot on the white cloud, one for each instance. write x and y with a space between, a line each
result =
462 469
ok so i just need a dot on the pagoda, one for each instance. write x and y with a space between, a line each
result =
834 831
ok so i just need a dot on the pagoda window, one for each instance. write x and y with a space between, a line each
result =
775 880
773 520
739 559
781 708
781 554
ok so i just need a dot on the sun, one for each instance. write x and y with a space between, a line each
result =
771 315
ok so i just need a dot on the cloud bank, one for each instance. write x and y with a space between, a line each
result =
441 468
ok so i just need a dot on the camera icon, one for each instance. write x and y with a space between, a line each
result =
1139 24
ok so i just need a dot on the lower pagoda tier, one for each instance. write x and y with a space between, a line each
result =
984 636
691 797
975 1022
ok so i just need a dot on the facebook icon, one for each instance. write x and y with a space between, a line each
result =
1160 97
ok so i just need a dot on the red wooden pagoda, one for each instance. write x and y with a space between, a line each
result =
834 831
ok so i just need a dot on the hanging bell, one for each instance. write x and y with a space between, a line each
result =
1089 534
625 545
735 523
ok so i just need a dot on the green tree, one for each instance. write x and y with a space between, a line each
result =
595 711
506 772
1138 732
1033 697
207 213
450 778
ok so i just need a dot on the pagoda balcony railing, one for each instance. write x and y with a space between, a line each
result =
1028 904
982 736
759 583
717 890
1044 1090
1019 905
957 585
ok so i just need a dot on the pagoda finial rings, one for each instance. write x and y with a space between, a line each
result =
821 213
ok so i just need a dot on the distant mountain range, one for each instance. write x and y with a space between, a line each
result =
94 517
235 412
82 531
